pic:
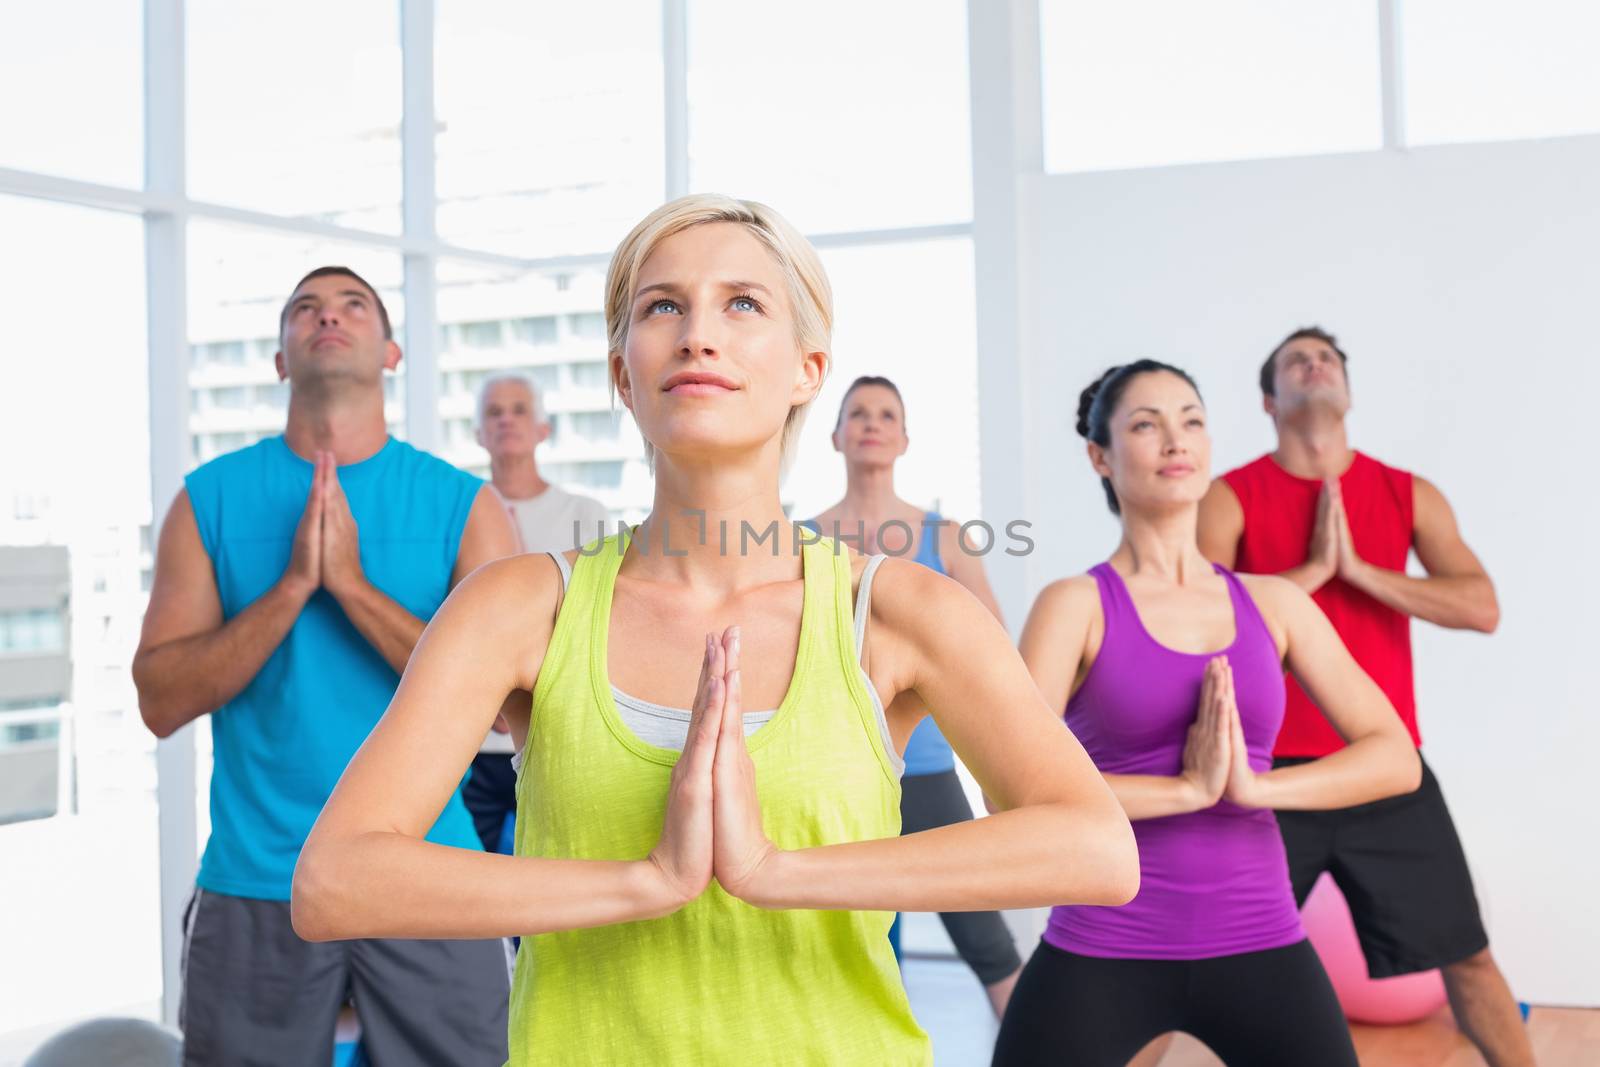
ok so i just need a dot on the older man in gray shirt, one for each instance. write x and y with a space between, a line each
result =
511 427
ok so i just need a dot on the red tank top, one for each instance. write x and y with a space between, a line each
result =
1279 511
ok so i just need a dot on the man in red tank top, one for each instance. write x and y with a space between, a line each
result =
1342 526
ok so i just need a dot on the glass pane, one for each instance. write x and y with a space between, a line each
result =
78 830
1155 82
72 76
239 279
931 356
843 116
294 108
1480 71
550 123
548 327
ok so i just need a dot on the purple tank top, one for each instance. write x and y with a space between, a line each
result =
1212 882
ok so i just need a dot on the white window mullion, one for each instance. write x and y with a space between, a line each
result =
1391 62
166 285
675 97
421 287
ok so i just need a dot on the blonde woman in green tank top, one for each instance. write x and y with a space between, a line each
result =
724 900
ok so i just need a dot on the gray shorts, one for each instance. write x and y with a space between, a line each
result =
256 995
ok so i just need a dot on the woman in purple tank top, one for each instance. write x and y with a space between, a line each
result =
1170 671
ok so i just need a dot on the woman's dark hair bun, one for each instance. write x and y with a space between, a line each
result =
1086 400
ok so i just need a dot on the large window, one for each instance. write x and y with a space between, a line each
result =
1155 82
77 785
549 123
842 115
33 631
70 77
1160 82
294 108
1479 70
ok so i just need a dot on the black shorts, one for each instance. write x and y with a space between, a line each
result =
1400 866
1254 1009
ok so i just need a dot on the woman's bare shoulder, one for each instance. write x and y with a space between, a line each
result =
1073 593
507 594
905 593
507 610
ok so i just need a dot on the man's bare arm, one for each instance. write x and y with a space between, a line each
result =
190 662
1457 593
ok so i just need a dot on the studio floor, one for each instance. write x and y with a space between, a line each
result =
950 1004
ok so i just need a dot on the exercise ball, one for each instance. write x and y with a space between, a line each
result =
1403 999
110 1043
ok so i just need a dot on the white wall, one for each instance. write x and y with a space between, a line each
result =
1463 282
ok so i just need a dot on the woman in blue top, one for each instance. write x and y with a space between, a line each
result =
870 433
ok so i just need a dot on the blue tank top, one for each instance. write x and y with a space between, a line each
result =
927 752
281 744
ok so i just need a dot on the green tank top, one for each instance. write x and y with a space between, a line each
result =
719 981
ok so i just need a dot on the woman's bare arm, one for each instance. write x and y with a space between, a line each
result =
1378 759
366 870
1061 838
964 562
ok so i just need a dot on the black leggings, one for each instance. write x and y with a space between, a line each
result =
928 801
1266 1008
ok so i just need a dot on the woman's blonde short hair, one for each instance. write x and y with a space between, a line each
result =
810 295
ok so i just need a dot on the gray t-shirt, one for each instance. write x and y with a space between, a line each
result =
545 522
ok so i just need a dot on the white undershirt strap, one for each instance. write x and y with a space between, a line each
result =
864 601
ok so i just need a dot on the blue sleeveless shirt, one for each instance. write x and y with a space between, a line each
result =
281 744
927 752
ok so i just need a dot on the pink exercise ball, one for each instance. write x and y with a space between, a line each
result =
1405 999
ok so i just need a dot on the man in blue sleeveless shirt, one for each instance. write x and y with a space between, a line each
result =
293 578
